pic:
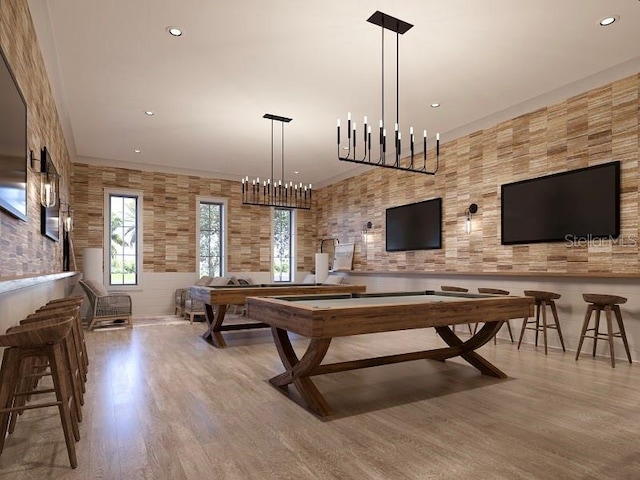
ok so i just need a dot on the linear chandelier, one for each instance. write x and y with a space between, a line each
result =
399 27
270 193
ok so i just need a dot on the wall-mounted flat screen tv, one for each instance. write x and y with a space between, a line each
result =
417 226
582 203
13 145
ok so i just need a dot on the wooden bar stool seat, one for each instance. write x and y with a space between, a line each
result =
73 357
496 291
76 300
543 300
38 340
52 308
451 288
608 303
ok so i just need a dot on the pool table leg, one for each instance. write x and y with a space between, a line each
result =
467 349
298 370
214 320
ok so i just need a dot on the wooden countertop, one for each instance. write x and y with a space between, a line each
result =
8 284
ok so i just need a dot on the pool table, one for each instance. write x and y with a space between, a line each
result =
322 318
222 297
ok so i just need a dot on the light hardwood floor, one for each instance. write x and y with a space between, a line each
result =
163 404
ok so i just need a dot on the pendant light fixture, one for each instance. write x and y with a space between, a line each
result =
363 157
272 193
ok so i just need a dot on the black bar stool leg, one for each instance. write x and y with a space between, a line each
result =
623 334
607 311
585 325
554 310
596 330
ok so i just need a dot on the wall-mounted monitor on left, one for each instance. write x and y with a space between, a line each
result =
416 226
13 144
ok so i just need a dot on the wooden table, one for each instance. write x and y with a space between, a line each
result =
222 297
323 318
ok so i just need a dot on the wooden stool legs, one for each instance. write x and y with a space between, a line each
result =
608 308
541 311
28 345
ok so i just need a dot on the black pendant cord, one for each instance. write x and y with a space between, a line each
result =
272 177
382 136
397 99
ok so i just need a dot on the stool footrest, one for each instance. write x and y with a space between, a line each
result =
541 328
29 407
34 392
603 335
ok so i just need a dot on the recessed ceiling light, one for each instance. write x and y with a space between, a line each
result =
606 21
435 105
149 112
137 151
175 31
296 172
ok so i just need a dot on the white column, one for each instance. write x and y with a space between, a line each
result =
92 264
322 267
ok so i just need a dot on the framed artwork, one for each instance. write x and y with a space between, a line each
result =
343 256
328 245
49 217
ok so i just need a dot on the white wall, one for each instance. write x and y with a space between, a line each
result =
17 303
156 295
571 307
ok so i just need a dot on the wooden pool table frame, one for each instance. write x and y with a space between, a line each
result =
222 297
321 325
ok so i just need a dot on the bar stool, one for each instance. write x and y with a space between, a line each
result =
450 288
52 308
496 291
71 354
76 300
607 303
42 339
543 299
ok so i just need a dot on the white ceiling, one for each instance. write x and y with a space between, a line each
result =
484 61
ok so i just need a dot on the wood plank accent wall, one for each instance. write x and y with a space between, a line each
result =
169 219
23 250
592 128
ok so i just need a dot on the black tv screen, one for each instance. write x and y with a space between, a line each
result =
417 226
582 203
13 145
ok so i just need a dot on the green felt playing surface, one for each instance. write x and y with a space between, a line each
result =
379 300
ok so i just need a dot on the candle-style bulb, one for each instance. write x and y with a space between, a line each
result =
410 130
424 135
349 116
338 123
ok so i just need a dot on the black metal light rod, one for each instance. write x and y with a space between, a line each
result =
390 23
393 166
277 118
